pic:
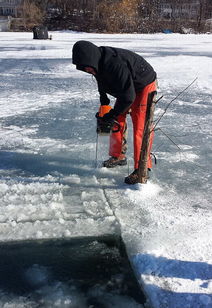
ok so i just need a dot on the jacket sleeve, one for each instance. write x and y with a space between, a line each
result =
104 100
125 87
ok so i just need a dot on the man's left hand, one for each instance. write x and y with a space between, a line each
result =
109 117
106 123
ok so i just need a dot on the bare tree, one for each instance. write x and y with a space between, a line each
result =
149 16
32 15
201 13
118 15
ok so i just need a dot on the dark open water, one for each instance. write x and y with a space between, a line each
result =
92 273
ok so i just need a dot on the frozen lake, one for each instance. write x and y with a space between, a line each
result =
50 188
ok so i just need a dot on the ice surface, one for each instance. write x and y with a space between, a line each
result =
49 186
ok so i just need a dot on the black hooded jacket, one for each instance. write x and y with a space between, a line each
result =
119 72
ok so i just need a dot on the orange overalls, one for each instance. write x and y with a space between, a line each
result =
138 115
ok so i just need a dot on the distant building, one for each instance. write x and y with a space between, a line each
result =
9 7
185 9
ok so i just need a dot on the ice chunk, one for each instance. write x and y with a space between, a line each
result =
205 299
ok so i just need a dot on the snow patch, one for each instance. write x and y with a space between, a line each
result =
142 192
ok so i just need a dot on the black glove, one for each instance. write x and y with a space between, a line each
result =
109 117
105 123
110 121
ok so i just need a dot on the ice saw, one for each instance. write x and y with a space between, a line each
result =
102 128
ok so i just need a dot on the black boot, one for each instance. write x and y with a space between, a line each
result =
114 161
133 177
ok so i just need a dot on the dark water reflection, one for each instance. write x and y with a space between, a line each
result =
79 273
